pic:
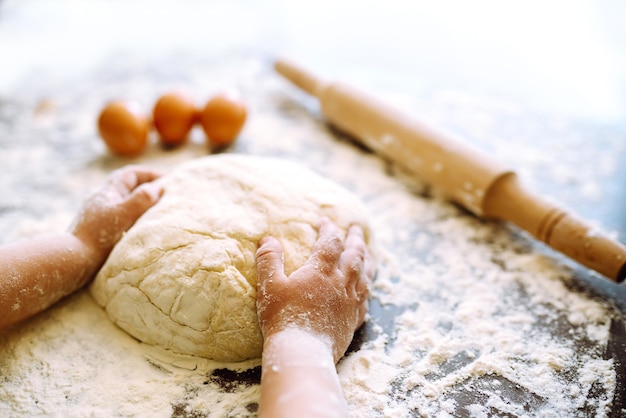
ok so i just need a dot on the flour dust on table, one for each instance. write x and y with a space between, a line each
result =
467 317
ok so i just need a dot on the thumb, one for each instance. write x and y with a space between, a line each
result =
269 259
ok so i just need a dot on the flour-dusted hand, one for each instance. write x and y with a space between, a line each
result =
35 274
308 320
327 295
114 208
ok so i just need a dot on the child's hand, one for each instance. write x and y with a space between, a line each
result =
327 296
108 213
35 274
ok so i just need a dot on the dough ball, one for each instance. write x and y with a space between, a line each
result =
184 276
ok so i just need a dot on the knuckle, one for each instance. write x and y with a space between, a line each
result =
335 241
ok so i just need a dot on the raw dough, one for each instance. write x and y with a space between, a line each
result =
184 276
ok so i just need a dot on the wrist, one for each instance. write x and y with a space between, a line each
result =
299 376
89 245
88 256
298 347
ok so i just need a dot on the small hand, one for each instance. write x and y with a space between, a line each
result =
108 213
326 296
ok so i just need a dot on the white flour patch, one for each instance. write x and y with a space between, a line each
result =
467 318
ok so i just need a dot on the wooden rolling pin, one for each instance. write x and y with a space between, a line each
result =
467 176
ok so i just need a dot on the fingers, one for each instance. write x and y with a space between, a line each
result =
128 178
145 175
134 192
141 199
269 259
357 267
329 244
353 256
353 259
356 261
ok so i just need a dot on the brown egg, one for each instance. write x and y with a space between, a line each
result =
124 128
174 115
222 118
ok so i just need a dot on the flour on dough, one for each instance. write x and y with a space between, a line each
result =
184 276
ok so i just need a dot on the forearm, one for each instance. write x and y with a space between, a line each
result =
37 273
299 377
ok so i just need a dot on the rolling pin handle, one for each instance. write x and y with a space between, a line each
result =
585 244
509 200
300 77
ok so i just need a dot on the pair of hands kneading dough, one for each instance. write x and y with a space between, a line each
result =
184 276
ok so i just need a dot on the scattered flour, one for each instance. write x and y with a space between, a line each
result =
467 318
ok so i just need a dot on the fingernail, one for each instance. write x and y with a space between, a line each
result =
323 220
265 240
